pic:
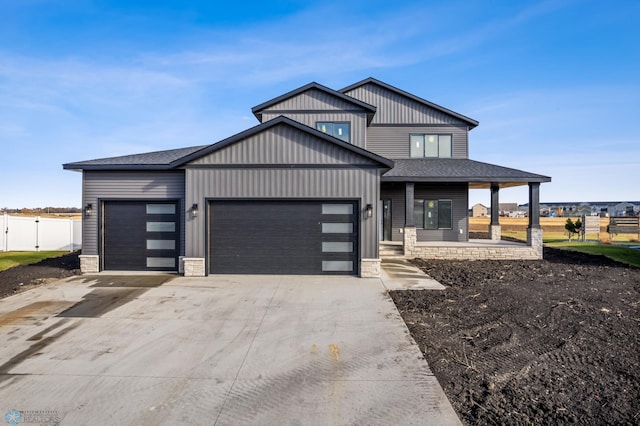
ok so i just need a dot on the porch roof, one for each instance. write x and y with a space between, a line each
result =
459 170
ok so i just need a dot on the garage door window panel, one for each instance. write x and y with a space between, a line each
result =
337 228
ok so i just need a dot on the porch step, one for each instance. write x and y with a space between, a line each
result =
388 251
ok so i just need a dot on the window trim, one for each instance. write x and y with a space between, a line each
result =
438 200
424 144
318 123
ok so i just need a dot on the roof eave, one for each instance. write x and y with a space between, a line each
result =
81 167
465 179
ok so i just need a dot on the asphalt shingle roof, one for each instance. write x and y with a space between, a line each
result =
456 170
161 159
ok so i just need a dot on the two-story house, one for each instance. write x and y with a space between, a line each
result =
313 189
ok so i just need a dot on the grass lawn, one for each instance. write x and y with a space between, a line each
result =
616 252
10 259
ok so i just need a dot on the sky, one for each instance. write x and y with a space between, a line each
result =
554 84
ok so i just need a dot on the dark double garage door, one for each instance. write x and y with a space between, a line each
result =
283 237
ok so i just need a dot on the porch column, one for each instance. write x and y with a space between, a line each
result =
534 232
409 232
494 227
534 205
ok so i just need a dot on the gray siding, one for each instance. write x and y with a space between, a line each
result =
458 194
393 141
312 99
101 185
282 145
358 121
394 108
360 184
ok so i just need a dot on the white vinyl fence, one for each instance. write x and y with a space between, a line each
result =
37 233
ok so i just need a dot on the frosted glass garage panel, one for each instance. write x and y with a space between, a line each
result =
161 262
161 209
337 247
161 244
161 227
337 266
337 228
337 209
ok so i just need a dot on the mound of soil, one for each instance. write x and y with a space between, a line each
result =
19 278
532 342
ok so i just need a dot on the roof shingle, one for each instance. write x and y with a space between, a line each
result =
457 170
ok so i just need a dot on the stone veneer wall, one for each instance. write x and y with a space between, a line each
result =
193 266
89 263
370 268
475 253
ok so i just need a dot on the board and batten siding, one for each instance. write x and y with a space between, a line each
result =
313 99
394 108
457 193
282 144
358 121
393 141
360 184
127 185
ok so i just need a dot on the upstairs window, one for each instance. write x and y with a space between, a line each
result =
431 146
335 129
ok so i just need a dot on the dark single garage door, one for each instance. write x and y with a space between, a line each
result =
283 237
140 236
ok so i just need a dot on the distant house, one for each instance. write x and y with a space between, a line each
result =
509 209
589 208
479 210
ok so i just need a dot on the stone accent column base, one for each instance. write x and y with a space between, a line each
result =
496 232
193 267
181 264
89 263
534 240
370 268
409 241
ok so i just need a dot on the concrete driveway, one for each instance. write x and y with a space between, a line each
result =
161 349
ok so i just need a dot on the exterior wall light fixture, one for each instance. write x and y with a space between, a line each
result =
369 210
194 210
88 209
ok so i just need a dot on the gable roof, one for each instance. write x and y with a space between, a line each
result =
159 160
385 162
476 173
471 122
369 109
176 158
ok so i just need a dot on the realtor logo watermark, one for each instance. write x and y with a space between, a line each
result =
43 417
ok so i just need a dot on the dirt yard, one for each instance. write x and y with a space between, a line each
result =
19 278
532 342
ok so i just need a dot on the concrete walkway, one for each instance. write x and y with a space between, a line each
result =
398 274
221 350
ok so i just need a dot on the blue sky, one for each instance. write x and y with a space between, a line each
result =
554 84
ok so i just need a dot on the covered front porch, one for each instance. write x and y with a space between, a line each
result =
430 219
